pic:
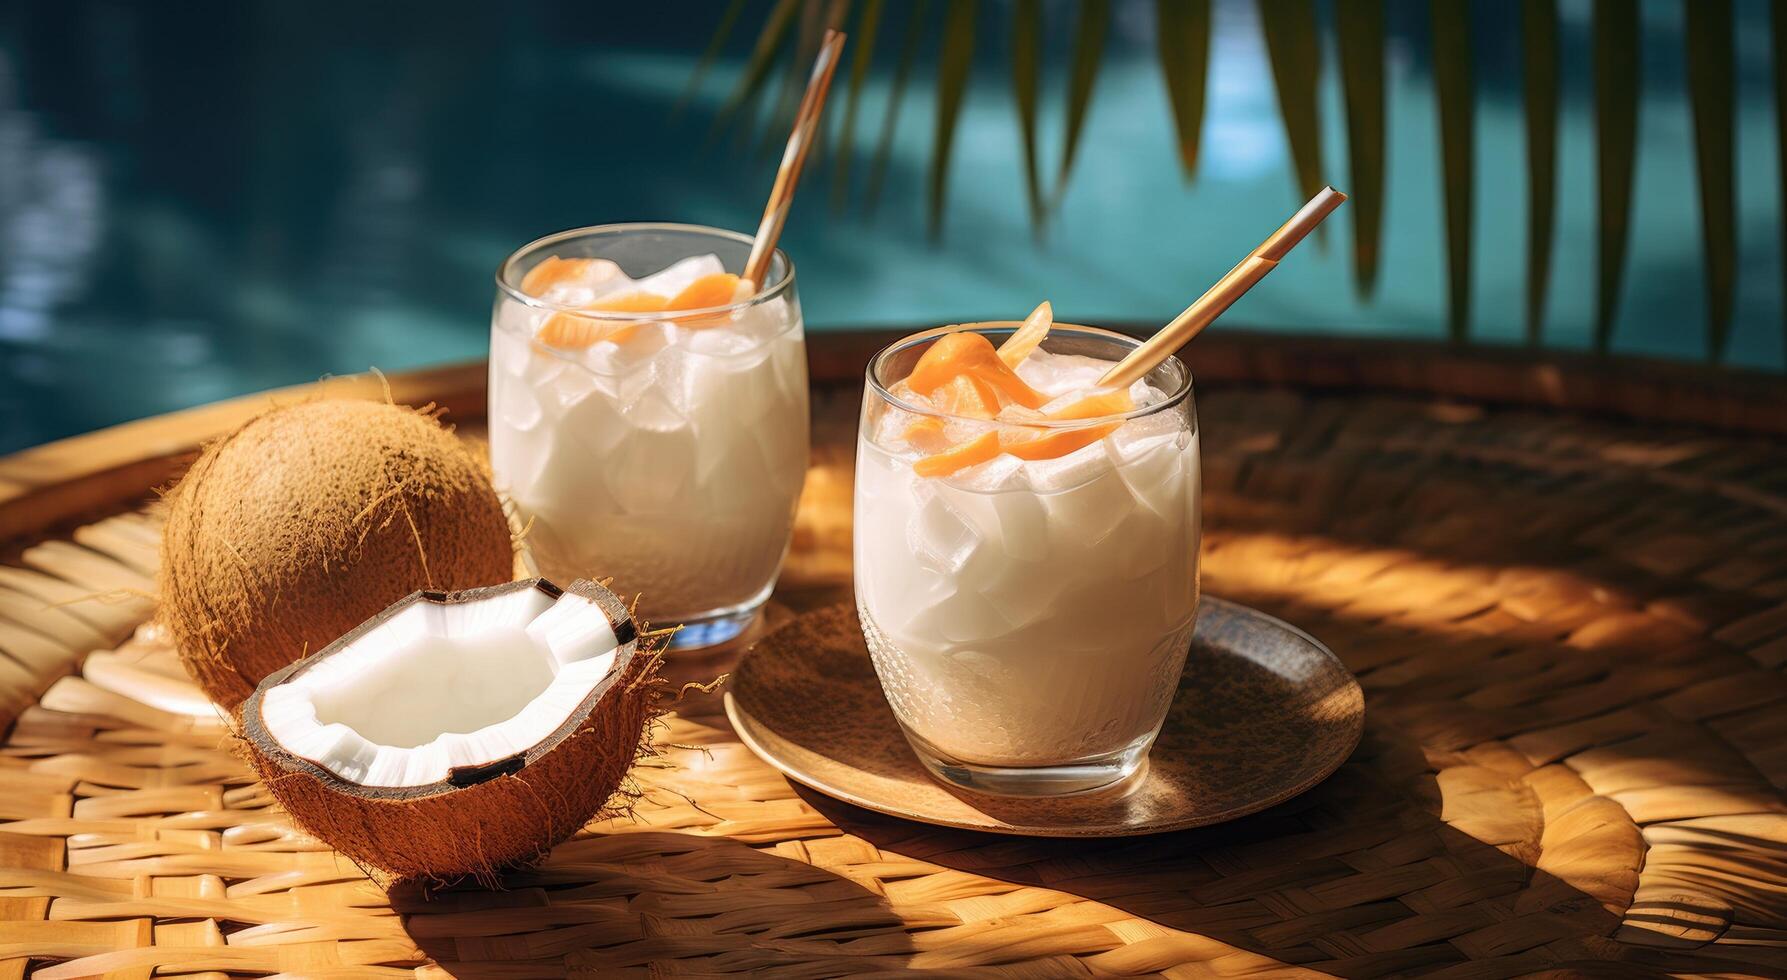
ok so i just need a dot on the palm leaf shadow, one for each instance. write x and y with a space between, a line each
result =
1088 56
1711 85
954 62
1182 37
1453 91
1616 55
1293 46
1026 82
1539 66
868 25
1360 31
890 117
757 67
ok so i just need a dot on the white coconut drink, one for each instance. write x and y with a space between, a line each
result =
454 734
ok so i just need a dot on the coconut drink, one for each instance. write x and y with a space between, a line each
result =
1026 551
648 416
1027 536
648 402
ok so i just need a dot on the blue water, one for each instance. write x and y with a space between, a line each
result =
200 200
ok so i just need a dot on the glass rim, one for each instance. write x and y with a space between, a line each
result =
876 363
764 295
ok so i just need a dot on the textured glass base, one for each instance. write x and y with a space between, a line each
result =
714 629
1102 772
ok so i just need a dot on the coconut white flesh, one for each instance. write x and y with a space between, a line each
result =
438 686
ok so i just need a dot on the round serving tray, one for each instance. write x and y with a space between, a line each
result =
1264 712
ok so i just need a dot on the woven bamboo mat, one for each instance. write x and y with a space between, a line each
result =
1571 635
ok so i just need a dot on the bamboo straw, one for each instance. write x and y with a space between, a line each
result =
1156 349
800 143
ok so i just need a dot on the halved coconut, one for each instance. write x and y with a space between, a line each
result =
457 733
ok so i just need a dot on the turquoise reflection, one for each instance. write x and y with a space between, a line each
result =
199 200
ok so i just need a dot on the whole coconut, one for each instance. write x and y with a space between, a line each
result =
308 520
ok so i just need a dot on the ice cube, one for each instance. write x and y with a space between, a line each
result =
1064 473
718 342
1154 465
1057 375
765 320
1084 516
655 411
646 462
1144 542
999 473
594 424
941 537
543 368
517 406
509 347
680 275
1143 393
1025 592
518 457
596 278
1023 525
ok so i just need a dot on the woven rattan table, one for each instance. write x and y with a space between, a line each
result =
1563 586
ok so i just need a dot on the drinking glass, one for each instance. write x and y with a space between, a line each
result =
671 459
1029 620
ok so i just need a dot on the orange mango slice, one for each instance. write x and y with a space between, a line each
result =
1057 443
1095 406
1027 337
573 332
967 395
718 289
634 302
927 435
971 453
715 290
570 331
555 270
969 353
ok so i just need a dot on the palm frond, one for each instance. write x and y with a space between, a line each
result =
868 24
1457 102
722 33
1088 55
823 143
1360 27
1294 48
1616 42
954 62
1780 52
774 136
1711 86
1539 67
763 57
890 117
1182 37
1026 80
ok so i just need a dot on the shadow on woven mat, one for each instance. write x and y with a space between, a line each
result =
609 903
1367 856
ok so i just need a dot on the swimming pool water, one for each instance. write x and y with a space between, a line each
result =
201 200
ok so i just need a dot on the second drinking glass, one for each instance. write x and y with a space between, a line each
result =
1026 553
649 420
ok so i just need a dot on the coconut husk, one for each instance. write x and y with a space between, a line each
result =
442 833
311 518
